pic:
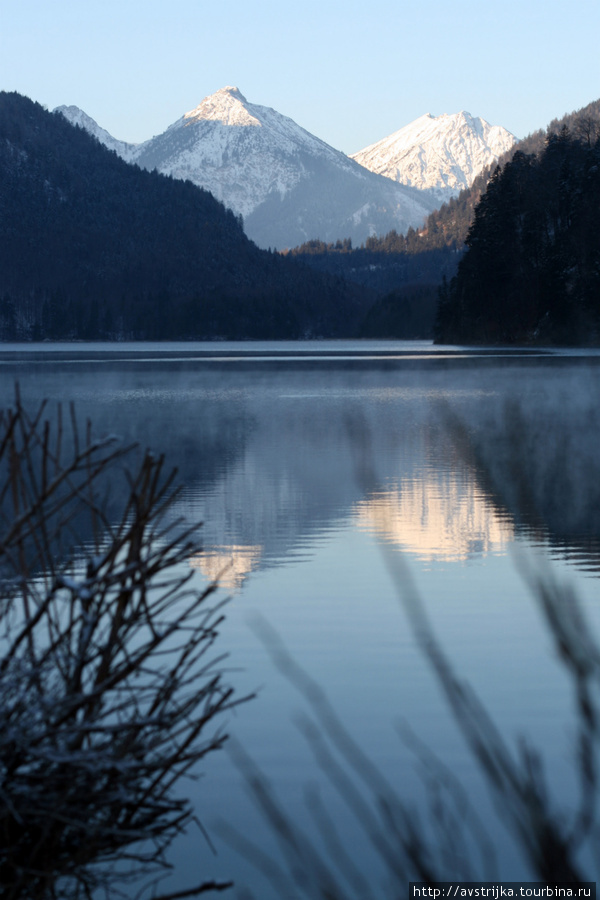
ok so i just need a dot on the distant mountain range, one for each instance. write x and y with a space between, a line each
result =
441 155
289 186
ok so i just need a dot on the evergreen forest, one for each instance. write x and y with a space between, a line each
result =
531 273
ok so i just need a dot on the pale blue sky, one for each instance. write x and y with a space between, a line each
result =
350 72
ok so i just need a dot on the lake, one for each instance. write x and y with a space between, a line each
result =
329 477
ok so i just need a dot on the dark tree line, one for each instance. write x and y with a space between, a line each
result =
402 273
532 269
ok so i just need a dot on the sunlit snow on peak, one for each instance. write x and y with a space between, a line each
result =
440 154
228 106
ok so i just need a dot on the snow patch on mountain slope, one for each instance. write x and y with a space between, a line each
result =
77 116
440 154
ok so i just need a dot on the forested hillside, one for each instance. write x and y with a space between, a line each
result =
404 271
91 247
447 227
407 270
531 272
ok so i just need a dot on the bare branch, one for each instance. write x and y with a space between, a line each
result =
109 689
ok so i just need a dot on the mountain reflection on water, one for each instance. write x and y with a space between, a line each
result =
518 459
442 452
301 460
435 518
445 460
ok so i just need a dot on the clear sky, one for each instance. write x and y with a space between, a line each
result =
349 72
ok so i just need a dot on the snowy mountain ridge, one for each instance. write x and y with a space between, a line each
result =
77 117
439 154
288 185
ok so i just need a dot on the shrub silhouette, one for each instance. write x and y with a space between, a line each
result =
110 690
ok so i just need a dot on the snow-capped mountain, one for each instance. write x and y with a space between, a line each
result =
237 150
439 154
288 185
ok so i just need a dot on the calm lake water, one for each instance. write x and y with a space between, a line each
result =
323 473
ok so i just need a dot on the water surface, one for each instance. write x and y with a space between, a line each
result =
314 467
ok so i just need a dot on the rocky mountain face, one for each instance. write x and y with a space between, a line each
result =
441 155
287 184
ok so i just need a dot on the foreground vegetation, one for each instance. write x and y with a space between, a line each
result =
110 689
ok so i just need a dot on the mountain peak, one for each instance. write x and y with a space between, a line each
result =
227 106
231 89
77 116
440 154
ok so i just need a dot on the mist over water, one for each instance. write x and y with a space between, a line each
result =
308 464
